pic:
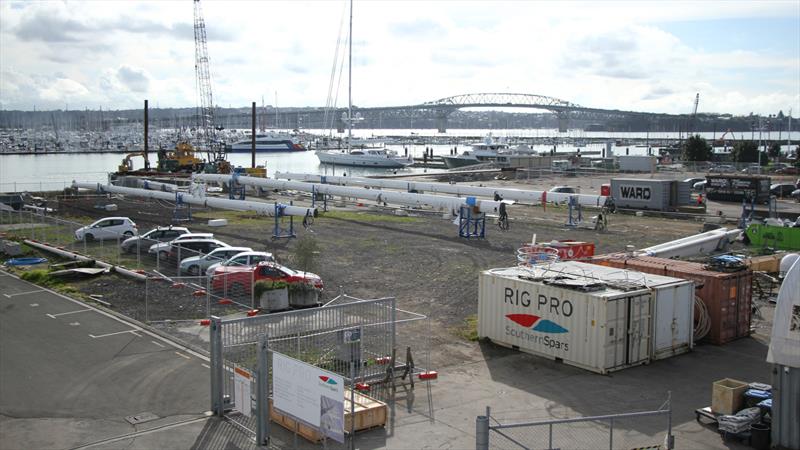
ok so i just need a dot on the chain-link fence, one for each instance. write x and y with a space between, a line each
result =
635 430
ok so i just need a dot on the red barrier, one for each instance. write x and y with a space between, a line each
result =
430 375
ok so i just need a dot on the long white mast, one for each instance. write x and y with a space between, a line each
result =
350 82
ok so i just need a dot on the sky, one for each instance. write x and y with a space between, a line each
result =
741 56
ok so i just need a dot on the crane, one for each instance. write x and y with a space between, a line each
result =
694 115
215 151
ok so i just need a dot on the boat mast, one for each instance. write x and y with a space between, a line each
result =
350 82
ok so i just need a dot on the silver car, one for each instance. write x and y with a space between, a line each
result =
154 236
196 265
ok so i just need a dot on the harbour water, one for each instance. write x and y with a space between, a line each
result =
56 171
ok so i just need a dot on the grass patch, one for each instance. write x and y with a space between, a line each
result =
366 217
469 329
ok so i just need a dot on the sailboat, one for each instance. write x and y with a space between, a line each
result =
361 157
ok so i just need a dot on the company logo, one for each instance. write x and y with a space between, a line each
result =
536 323
327 380
635 192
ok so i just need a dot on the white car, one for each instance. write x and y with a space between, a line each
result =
157 249
243 259
108 228
195 265
154 236
179 250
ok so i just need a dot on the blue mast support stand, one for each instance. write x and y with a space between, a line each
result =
235 190
182 211
280 232
314 195
471 225
575 212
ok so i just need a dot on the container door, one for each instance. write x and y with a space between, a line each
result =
664 331
638 335
616 334
743 301
728 310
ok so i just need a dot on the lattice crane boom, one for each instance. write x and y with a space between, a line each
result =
204 91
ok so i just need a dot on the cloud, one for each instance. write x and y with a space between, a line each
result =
658 92
47 26
133 78
420 29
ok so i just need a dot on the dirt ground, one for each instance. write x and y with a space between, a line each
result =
369 252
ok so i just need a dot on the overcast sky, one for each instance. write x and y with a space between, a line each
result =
741 56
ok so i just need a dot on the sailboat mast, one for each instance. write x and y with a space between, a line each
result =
350 82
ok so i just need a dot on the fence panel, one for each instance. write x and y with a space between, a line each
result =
646 429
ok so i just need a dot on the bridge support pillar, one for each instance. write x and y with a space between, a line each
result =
441 121
563 121
293 121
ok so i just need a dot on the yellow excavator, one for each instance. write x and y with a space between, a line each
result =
180 159
127 164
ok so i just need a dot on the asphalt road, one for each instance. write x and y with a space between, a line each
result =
71 374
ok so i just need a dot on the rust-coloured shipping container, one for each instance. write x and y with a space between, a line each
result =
727 295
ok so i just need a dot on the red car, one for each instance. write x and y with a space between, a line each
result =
239 279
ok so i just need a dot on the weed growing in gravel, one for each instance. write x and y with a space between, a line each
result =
469 330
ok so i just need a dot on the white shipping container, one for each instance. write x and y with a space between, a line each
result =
532 310
673 310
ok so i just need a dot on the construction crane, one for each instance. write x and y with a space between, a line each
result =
692 119
215 151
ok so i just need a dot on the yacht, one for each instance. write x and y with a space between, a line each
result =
366 157
487 151
269 142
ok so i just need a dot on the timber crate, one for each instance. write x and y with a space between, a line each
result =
369 413
728 396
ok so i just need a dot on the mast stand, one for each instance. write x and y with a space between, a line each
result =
470 224
278 231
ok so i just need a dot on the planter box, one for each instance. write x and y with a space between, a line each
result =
303 298
369 413
275 300
728 396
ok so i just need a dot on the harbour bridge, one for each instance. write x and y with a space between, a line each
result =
443 107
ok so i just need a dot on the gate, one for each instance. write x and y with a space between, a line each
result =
636 430
317 336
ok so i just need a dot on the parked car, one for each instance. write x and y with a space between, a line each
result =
155 249
564 190
722 168
245 258
788 171
107 228
195 265
239 279
188 247
754 169
154 236
782 189
778 166
700 186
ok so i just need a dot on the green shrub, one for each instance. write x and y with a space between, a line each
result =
267 285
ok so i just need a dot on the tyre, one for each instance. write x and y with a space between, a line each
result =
89 237
194 270
163 256
128 234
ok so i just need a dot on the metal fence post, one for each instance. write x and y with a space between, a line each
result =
146 297
262 392
215 330
550 437
482 431
611 434
670 439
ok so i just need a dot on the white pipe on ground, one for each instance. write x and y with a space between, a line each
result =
76 257
267 209
693 245
450 204
156 186
517 195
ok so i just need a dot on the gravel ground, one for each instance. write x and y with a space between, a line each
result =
369 253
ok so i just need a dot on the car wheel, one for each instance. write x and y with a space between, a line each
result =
194 270
163 256
128 234
89 237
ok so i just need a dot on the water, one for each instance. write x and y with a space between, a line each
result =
56 171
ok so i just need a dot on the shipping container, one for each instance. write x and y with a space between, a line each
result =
657 195
673 306
735 188
542 311
727 295
637 163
